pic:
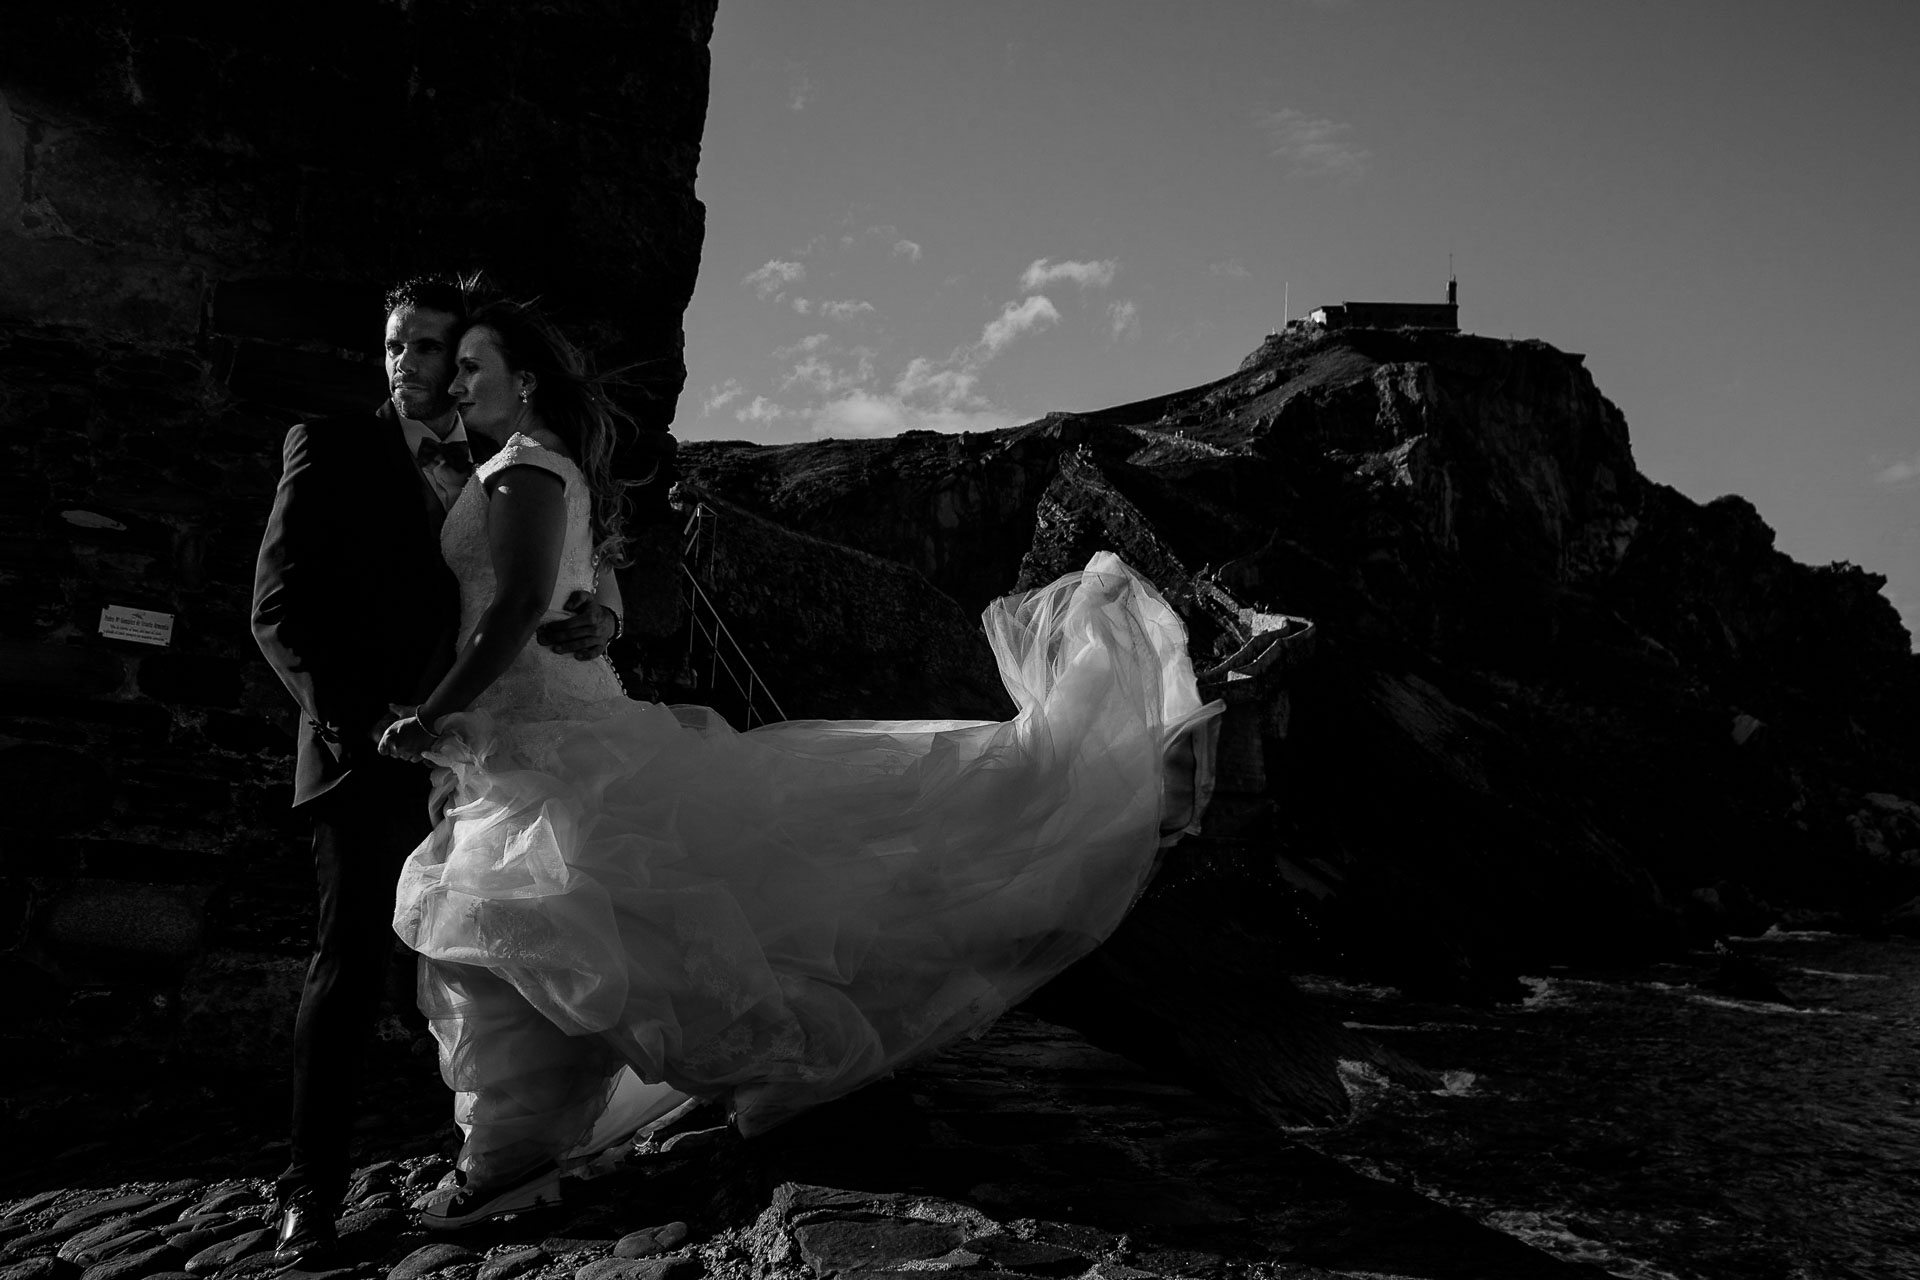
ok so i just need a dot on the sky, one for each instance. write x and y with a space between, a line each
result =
962 216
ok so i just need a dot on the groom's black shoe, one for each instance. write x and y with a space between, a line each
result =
306 1230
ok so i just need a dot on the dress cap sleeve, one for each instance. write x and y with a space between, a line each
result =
523 451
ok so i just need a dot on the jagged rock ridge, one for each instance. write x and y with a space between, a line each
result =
1559 710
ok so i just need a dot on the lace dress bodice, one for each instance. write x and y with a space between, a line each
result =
539 680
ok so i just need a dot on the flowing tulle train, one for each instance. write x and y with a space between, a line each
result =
784 915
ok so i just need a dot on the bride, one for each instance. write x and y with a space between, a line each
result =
626 906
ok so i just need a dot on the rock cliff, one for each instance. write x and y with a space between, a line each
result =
1557 710
200 207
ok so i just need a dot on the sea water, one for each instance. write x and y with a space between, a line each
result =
1645 1123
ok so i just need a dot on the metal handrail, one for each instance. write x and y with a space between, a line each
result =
713 629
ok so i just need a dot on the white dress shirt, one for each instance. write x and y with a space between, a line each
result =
446 481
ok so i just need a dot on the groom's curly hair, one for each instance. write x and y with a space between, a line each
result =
431 292
573 403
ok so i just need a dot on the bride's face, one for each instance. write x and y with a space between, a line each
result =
486 391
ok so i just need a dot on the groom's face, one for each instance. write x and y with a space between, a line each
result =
420 361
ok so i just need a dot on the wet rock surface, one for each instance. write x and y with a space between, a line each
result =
1027 1152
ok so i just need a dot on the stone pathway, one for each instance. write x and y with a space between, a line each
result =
1028 1152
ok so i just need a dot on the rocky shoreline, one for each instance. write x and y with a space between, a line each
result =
1026 1152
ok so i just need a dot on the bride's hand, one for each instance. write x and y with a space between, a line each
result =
407 738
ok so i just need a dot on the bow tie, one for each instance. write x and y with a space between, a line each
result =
450 453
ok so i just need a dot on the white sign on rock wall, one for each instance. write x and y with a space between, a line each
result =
118 622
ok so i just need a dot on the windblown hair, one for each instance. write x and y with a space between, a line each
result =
573 404
430 292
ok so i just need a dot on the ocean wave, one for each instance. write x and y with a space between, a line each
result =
1545 993
1724 1134
1321 984
1770 1007
1361 1080
1553 1235
1694 995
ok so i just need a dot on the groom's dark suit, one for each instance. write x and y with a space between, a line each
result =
354 609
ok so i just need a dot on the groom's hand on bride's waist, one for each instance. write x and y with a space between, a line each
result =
586 633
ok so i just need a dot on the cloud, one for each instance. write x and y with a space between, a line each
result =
822 377
845 310
928 393
864 413
1902 472
1311 144
1015 319
937 395
815 374
812 342
823 372
947 385
774 277
1232 268
1088 275
906 249
1124 318
799 90
719 397
761 410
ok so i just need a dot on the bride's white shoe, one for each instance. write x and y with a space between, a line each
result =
454 1205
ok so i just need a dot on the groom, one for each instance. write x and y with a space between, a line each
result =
355 610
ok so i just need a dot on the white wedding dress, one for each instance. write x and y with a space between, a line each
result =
626 903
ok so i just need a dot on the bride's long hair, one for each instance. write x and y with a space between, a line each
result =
573 404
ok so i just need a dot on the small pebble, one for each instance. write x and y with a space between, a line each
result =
216 1257
428 1259
192 1242
33 1242
39 1201
558 1245
252 1264
516 1263
625 1269
171 1207
93 1244
650 1241
427 1176
193 1222
231 1200
374 1225
44 1268
118 1206
132 1266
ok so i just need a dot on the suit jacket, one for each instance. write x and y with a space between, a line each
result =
352 604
